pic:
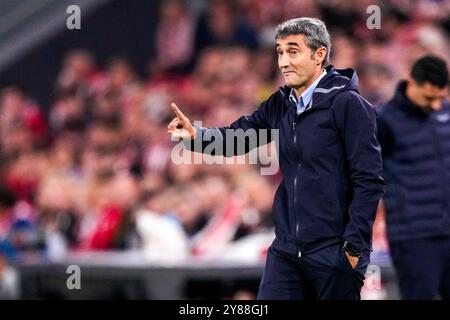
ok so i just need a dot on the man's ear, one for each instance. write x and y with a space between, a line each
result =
411 82
320 55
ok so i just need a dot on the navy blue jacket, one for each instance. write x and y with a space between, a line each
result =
330 160
416 153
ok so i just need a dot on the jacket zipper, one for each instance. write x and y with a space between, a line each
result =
299 165
299 168
440 158
297 224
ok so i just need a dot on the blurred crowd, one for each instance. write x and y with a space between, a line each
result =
93 171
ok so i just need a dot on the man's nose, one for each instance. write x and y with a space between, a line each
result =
283 61
436 104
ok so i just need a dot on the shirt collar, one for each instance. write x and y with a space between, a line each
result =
308 93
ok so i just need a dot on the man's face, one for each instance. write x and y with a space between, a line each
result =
427 96
297 62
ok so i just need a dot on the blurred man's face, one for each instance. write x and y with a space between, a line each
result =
297 62
427 96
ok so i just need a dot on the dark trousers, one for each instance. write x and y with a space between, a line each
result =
322 274
423 268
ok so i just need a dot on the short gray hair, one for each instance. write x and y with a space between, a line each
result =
314 30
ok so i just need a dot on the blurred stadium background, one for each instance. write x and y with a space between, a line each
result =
85 171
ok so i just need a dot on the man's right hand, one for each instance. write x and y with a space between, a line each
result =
180 126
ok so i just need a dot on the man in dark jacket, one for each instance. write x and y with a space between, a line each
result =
414 132
331 165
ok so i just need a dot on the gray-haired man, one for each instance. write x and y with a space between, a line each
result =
331 164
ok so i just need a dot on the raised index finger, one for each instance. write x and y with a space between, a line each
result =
177 111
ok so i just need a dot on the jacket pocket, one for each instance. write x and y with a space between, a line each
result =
345 262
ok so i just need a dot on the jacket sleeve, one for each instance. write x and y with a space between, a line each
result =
385 136
356 122
240 137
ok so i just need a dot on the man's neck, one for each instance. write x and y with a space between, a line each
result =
299 91
409 94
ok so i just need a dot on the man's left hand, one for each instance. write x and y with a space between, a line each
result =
353 260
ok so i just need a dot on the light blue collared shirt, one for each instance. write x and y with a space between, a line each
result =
306 96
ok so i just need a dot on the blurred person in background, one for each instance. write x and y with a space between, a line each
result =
122 80
101 223
372 75
7 219
57 217
175 29
162 236
331 162
225 209
223 25
20 113
70 113
414 132
109 194
106 110
9 279
258 193
18 227
77 74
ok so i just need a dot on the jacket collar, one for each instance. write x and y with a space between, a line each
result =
335 81
401 100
